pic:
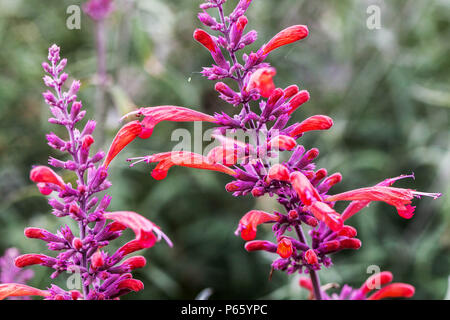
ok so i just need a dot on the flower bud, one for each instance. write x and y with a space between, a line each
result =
284 248
311 257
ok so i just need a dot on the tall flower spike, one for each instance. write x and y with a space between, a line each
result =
286 36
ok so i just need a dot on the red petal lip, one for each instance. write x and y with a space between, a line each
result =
262 79
43 174
285 248
250 221
126 134
20 290
305 190
394 290
147 233
286 36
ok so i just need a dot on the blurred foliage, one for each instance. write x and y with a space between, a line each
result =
386 89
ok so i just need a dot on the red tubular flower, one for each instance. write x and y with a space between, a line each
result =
330 246
286 36
376 281
147 233
352 243
20 290
355 206
131 284
311 257
262 79
185 159
285 248
290 91
126 134
317 122
282 142
394 290
264 245
29 259
347 231
297 100
278 172
43 175
397 197
208 42
325 213
252 219
134 263
154 115
97 260
224 155
305 190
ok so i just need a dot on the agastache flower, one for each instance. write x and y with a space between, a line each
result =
397 197
286 36
20 290
209 43
318 122
147 233
298 186
250 221
262 79
100 277
166 160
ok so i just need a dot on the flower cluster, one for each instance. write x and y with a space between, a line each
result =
264 113
103 275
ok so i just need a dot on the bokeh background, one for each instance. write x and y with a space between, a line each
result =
387 91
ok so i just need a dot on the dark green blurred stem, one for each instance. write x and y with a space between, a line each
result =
312 273
100 103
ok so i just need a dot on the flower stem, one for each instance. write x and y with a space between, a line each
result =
312 273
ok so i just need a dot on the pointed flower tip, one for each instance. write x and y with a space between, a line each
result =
318 122
286 36
43 176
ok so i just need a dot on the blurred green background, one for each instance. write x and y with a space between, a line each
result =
386 89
